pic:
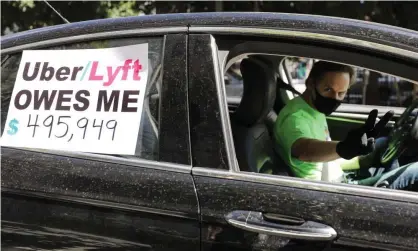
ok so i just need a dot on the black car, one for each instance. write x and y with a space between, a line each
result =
192 182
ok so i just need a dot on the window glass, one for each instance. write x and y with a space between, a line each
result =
147 143
233 81
369 88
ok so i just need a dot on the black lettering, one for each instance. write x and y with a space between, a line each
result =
61 99
126 100
43 98
28 95
26 76
83 100
62 73
46 70
33 125
114 99
75 72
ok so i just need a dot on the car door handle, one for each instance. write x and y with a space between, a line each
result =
304 230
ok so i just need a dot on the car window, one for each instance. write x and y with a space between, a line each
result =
147 142
233 81
261 143
369 88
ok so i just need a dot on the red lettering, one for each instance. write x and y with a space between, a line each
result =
93 75
137 68
126 67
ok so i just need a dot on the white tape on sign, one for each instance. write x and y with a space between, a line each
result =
78 100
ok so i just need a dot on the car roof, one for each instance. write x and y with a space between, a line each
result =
369 31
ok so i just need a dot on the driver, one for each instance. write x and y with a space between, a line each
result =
301 132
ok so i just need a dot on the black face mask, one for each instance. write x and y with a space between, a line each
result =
325 105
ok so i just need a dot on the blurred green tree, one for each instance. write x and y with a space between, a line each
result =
24 15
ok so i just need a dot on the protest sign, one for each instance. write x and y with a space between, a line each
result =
88 100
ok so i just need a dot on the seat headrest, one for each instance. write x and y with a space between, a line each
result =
259 91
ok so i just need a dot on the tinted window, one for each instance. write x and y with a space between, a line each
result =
370 88
147 143
233 81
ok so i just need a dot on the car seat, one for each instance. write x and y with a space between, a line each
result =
253 144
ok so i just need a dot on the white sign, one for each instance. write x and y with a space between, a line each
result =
78 100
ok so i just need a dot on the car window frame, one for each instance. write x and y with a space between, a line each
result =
162 32
315 38
206 130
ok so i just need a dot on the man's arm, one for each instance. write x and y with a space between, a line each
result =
313 150
359 141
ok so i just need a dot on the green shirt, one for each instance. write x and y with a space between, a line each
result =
299 120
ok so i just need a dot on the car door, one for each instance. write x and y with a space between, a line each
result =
253 211
75 200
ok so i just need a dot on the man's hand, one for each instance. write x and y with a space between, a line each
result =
373 159
360 141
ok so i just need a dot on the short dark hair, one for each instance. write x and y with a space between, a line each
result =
321 67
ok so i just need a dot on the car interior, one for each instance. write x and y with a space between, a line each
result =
265 91
252 120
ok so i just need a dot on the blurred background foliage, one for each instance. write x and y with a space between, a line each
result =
24 15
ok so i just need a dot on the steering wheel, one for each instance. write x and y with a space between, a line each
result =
404 131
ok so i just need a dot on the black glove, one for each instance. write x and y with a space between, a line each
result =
360 141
